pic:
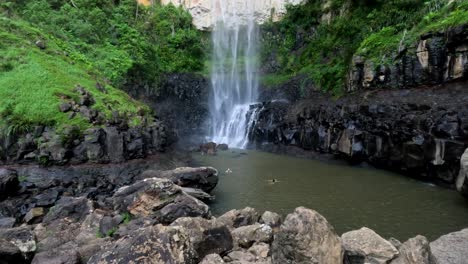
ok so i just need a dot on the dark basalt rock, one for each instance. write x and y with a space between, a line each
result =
414 131
204 178
22 237
181 101
436 59
9 253
9 183
73 208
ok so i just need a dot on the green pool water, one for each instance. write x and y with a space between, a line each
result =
349 197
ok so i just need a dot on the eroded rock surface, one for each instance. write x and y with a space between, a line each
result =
451 248
306 237
415 251
366 246
156 244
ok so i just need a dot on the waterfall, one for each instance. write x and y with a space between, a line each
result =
234 79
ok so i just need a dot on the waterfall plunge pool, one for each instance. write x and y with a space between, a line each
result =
349 197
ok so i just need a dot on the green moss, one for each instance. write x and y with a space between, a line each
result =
271 80
381 44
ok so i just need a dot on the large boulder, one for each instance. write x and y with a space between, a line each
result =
156 244
206 236
271 219
66 235
9 183
205 178
366 246
238 218
451 248
160 199
73 208
306 237
246 236
462 180
415 251
183 206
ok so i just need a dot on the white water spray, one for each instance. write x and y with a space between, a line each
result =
234 77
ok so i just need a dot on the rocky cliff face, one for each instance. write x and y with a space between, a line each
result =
437 58
410 117
108 140
204 12
422 132
181 102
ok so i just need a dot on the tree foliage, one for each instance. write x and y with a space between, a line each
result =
126 42
306 43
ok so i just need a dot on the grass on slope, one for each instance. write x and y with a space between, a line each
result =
387 40
33 80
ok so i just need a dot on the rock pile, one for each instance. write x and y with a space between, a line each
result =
151 219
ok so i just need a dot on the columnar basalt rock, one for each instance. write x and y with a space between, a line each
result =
437 58
397 130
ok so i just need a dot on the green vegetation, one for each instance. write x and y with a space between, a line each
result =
33 81
388 39
127 217
120 39
306 43
22 178
118 44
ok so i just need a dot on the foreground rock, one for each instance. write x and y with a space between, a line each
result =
159 199
9 253
20 239
207 236
156 244
415 251
204 178
100 218
246 236
366 246
306 237
237 218
451 248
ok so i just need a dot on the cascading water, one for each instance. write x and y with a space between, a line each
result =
234 78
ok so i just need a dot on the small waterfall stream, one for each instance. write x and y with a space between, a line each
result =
234 79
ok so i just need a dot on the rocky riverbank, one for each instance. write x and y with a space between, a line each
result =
109 139
410 117
420 132
141 213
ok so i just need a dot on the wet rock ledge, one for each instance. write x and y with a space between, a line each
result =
151 217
